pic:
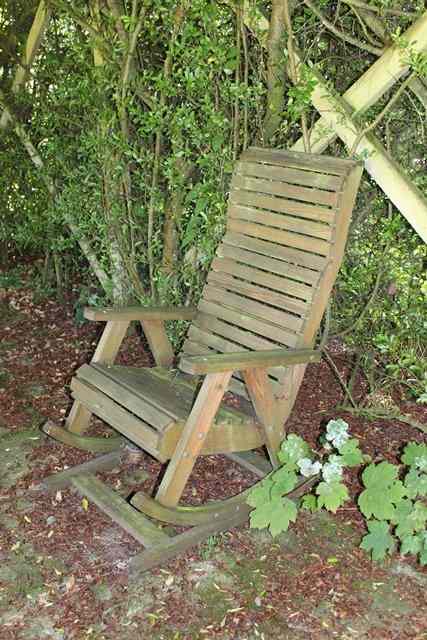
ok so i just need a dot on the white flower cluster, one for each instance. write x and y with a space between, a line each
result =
337 432
308 468
332 470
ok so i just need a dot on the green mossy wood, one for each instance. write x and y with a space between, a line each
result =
252 333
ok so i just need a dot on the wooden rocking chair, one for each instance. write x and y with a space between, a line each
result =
252 333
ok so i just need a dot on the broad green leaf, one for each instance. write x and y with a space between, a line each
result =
402 511
378 541
309 502
293 448
423 557
415 455
416 483
419 516
376 503
276 515
282 518
351 454
379 475
283 482
411 544
397 491
260 494
331 495
263 515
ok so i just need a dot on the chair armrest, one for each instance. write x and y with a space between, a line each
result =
240 361
139 313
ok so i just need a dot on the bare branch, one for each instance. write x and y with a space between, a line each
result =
340 34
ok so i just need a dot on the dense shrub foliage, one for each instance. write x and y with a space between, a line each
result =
136 112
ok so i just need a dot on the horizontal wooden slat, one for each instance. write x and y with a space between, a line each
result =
281 205
164 390
236 384
313 161
269 265
172 400
252 308
139 313
223 269
241 361
301 175
105 380
123 421
221 345
282 221
285 190
229 331
255 292
264 329
131 520
287 254
285 238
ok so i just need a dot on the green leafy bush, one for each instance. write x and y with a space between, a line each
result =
392 502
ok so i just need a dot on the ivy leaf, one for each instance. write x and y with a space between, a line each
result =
293 448
411 544
351 454
378 541
283 517
309 502
415 455
260 494
331 495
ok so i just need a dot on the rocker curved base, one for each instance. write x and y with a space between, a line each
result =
85 443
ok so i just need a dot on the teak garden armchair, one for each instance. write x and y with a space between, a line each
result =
252 333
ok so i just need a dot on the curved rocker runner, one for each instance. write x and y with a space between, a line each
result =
252 333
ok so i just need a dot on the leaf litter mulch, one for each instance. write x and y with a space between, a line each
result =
64 565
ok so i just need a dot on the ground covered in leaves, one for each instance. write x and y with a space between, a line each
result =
64 566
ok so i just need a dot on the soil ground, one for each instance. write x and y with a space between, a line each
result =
64 566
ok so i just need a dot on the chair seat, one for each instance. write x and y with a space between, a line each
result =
150 407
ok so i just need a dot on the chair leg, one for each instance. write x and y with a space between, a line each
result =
192 438
78 419
261 394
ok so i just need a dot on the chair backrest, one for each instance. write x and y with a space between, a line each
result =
269 283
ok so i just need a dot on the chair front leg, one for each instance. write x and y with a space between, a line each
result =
112 337
192 438
260 391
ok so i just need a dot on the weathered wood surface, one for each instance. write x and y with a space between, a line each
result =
253 333
229 361
193 435
101 463
85 443
131 520
139 313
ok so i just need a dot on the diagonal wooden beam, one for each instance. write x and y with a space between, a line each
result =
337 118
386 172
373 84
